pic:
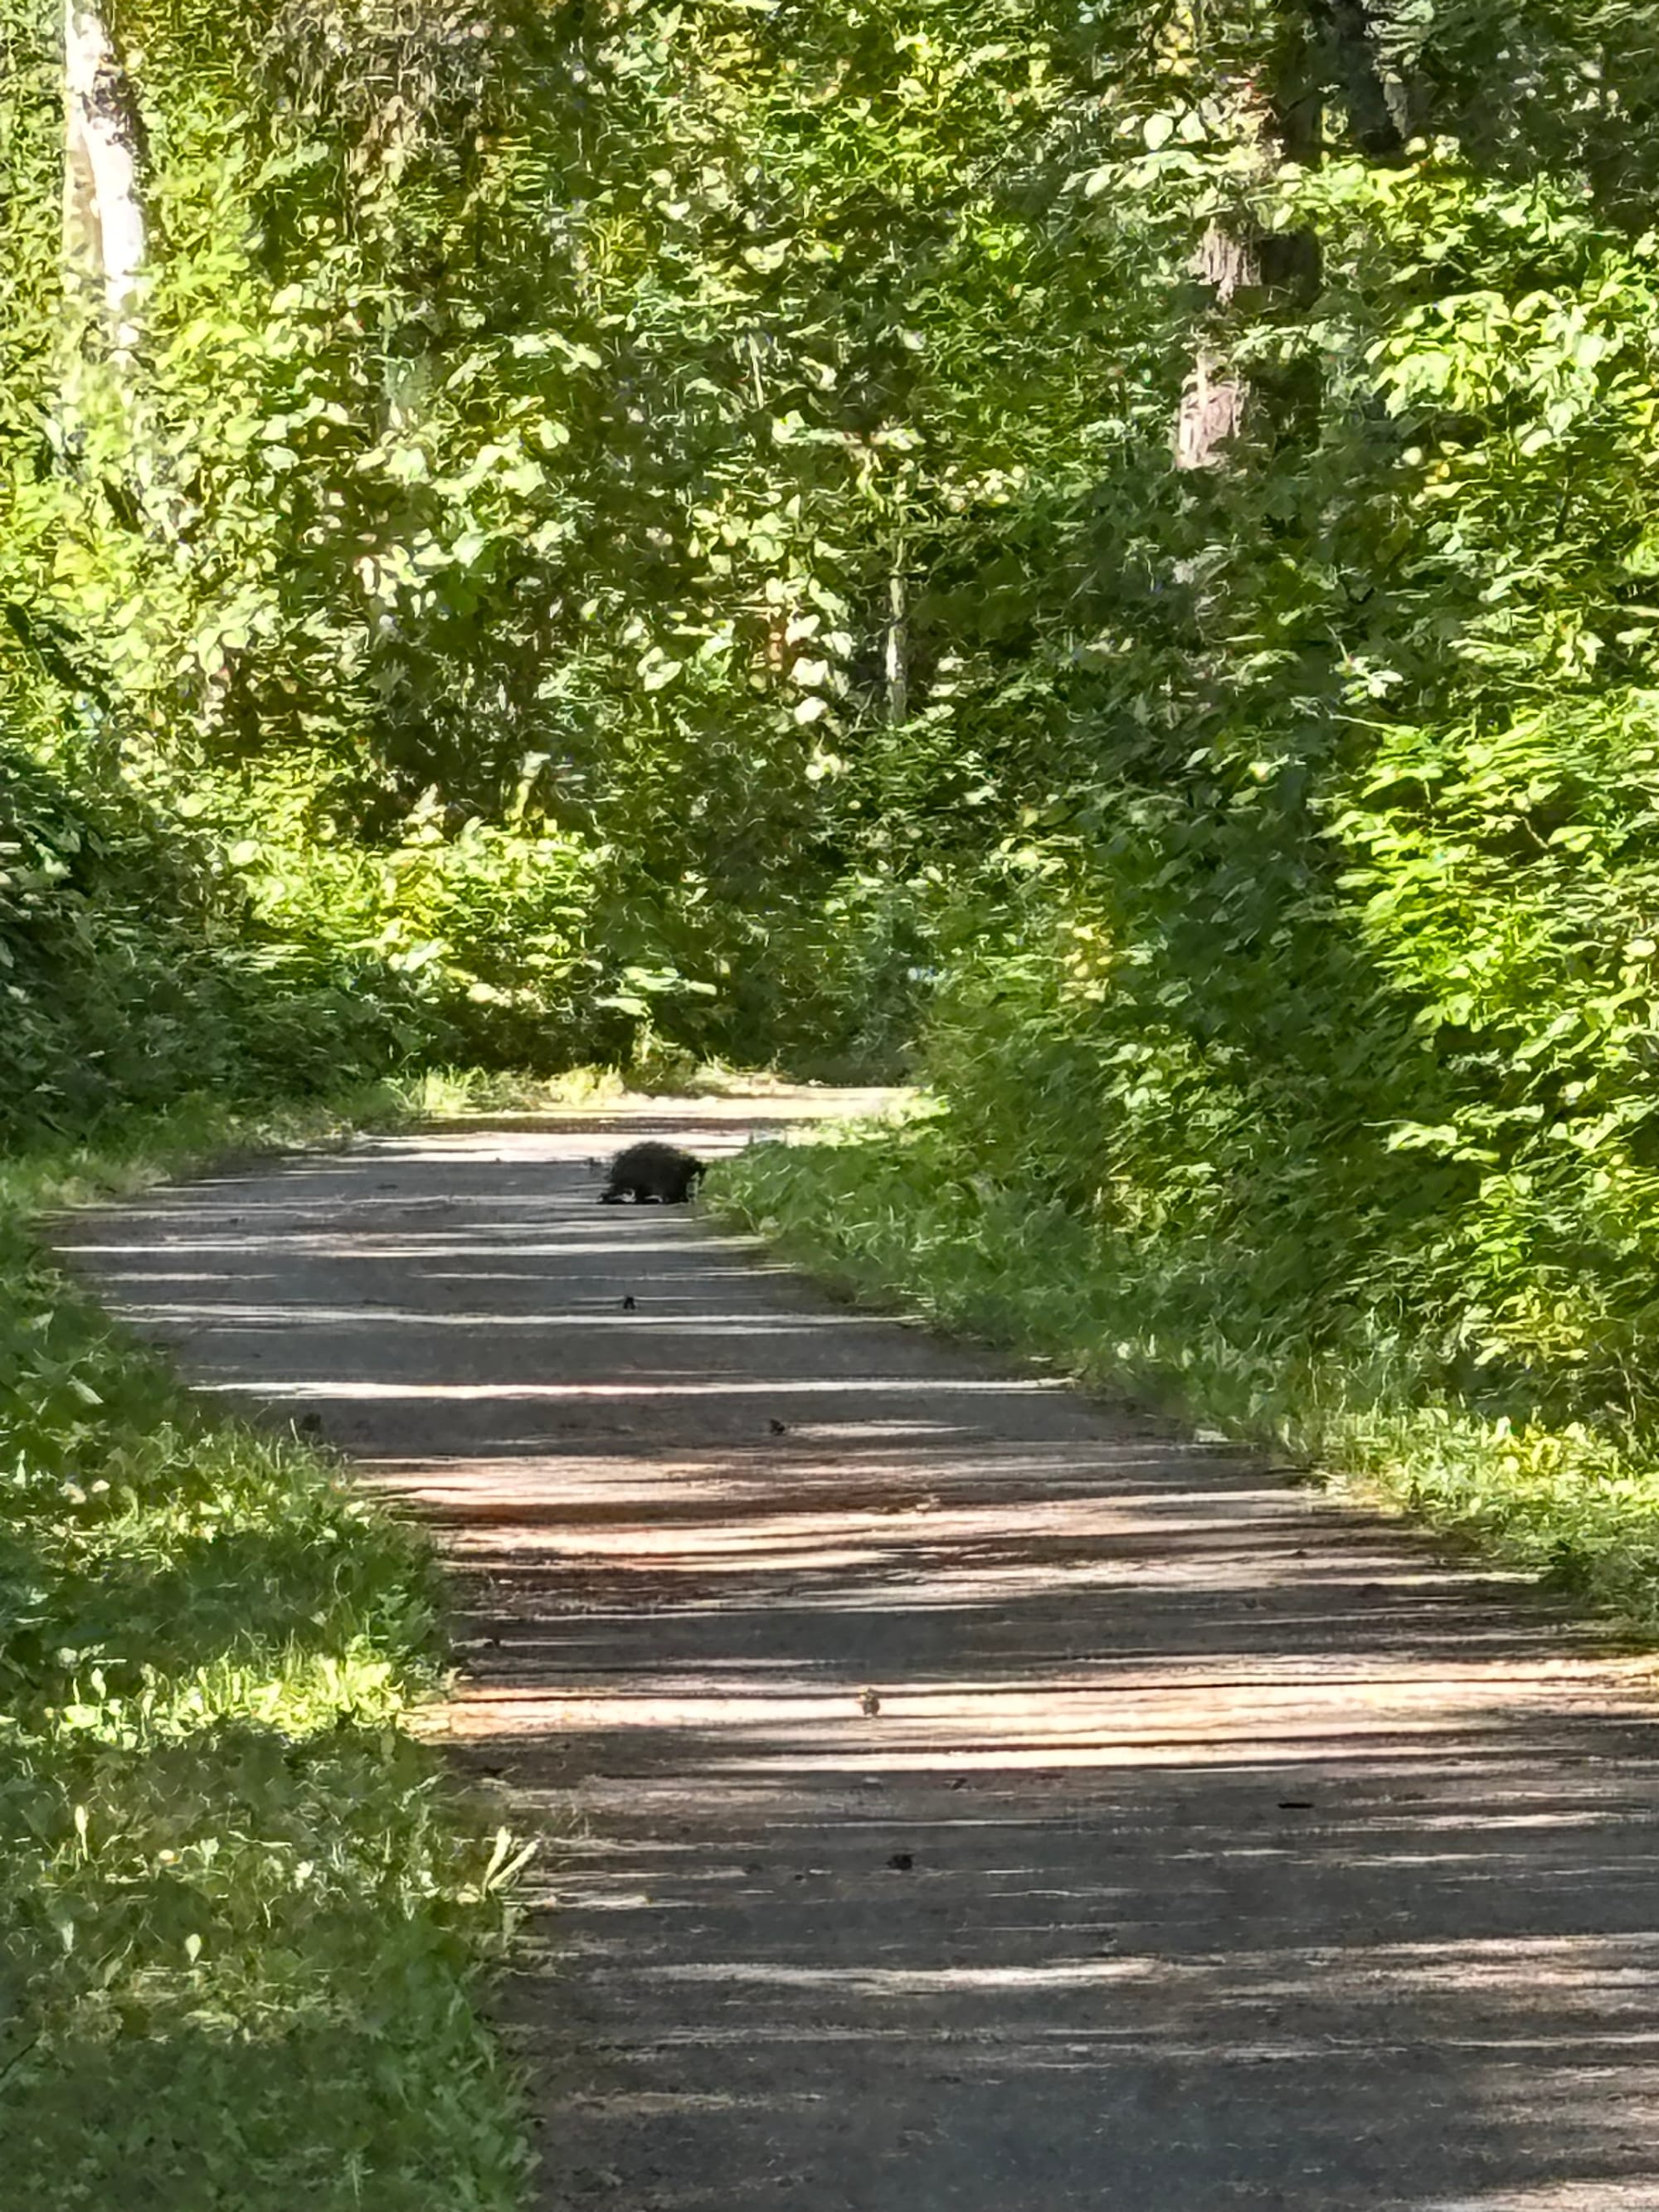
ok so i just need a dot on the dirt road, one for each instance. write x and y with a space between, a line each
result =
1210 1847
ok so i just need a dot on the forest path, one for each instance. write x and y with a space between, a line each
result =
1212 1847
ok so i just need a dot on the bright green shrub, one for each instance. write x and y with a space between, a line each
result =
133 970
242 1918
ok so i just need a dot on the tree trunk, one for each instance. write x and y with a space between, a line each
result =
898 649
1383 105
103 215
1214 404
1281 121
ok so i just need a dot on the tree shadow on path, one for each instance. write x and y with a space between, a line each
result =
1209 1847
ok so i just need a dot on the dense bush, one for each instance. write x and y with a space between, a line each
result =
1283 825
1322 978
133 970
423 570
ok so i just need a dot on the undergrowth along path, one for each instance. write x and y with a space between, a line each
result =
1210 1846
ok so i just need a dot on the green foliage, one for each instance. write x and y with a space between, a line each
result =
133 969
241 1923
1320 977
1287 843
522 440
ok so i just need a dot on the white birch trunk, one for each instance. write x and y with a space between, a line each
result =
103 214
898 652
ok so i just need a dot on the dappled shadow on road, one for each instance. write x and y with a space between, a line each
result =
1206 1848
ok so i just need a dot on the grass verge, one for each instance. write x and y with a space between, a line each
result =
243 1921
899 1210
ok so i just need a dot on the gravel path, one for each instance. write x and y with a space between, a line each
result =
1210 1847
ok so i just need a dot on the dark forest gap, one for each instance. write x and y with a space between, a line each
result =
1210 1847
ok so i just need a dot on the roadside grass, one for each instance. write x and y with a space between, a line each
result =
885 1211
243 1918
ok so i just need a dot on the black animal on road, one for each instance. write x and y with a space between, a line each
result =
652 1174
